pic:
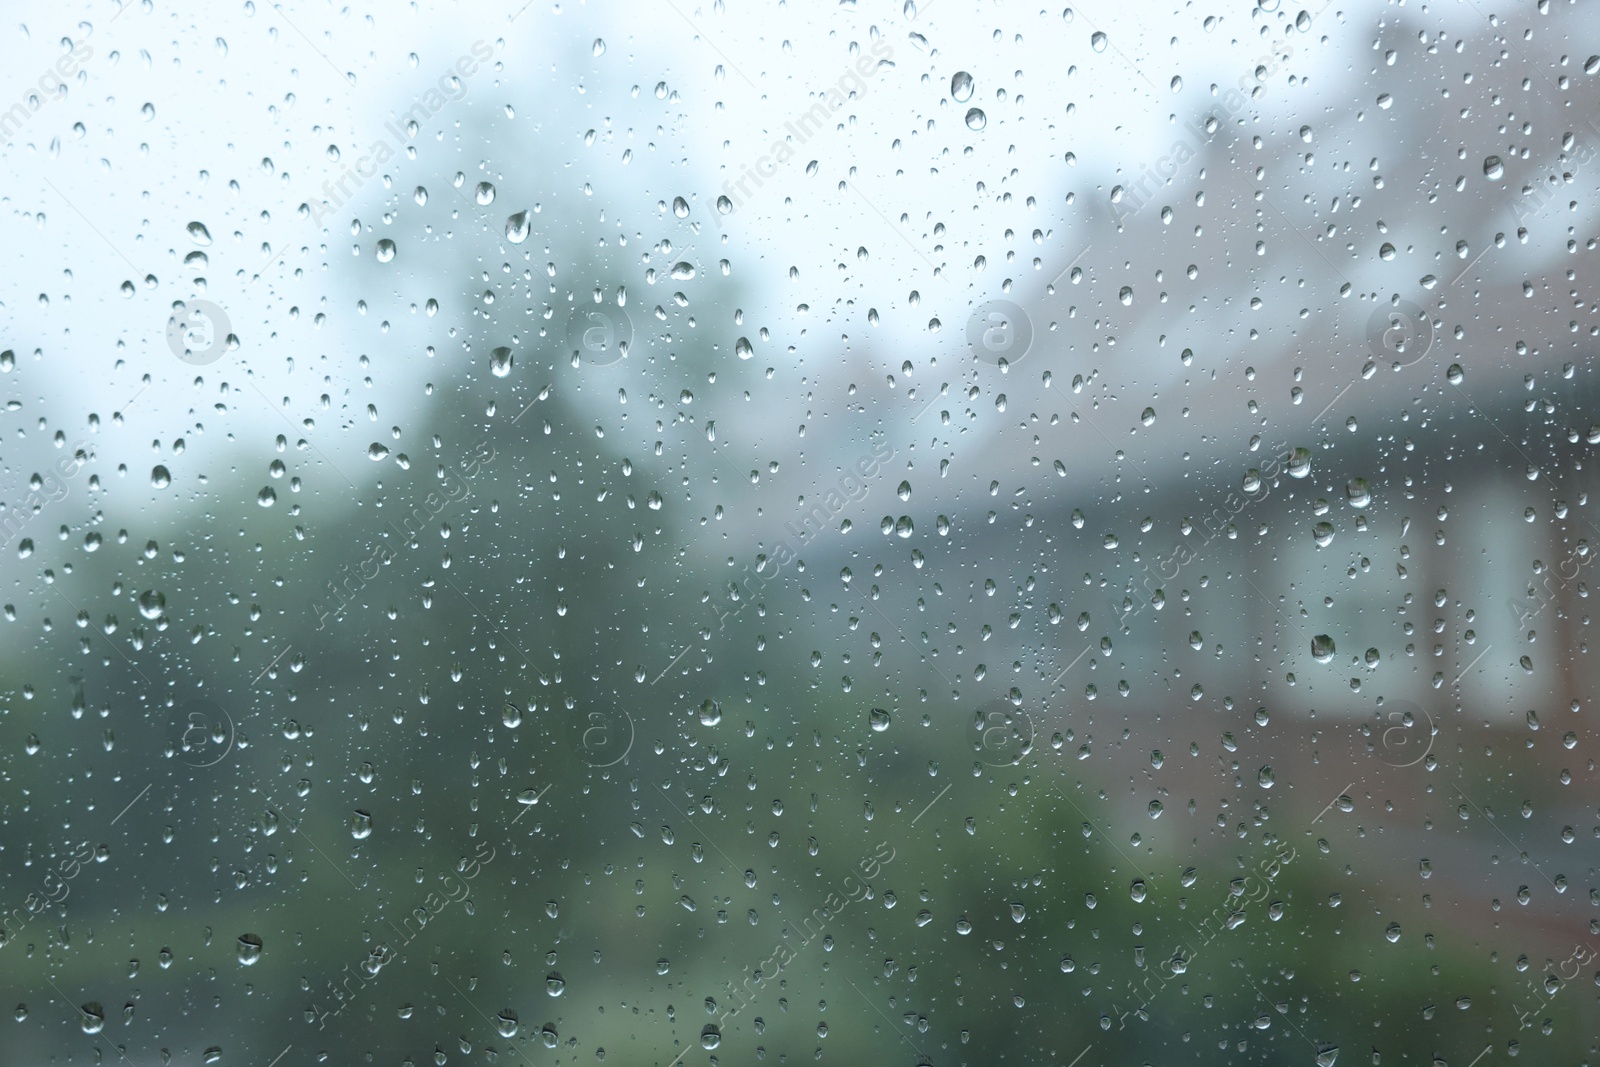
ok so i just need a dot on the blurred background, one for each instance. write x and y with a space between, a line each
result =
731 532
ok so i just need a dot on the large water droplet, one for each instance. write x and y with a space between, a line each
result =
1322 648
518 226
879 719
500 361
152 604
249 949
976 119
199 234
360 825
160 477
961 87
1493 168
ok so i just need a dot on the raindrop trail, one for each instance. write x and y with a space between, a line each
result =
1074 663
280 1056
131 803
1331 803
273 664
1053 281
536 797
932 802
1471 665
674 663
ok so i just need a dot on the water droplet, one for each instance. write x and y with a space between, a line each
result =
1358 492
710 713
199 234
1493 168
1265 778
267 497
484 192
92 1017
160 477
506 1023
1300 463
879 719
976 119
961 86
377 452
360 825
599 48
554 984
1322 534
680 207
249 949
500 361
742 348
710 1037
1098 41
385 250
1322 648
518 226
152 605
